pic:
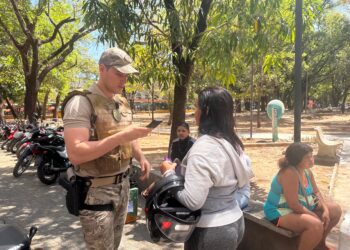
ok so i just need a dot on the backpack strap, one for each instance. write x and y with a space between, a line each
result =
93 117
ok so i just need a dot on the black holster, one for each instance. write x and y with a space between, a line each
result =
77 190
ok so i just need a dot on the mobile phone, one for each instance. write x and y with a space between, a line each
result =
154 124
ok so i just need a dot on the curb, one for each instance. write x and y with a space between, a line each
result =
333 180
249 144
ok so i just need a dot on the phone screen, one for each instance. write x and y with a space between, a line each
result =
154 124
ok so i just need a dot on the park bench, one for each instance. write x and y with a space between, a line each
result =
327 149
260 234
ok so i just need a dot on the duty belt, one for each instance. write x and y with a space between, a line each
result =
107 180
103 181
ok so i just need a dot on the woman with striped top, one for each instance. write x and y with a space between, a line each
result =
295 202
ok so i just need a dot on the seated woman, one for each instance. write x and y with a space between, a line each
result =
295 202
180 146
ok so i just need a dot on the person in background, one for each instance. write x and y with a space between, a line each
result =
213 172
295 202
180 146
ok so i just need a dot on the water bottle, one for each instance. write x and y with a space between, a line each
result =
344 239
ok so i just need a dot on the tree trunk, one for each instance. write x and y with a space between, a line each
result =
263 103
238 106
170 107
179 110
30 99
45 105
344 100
258 122
57 103
152 101
13 111
2 119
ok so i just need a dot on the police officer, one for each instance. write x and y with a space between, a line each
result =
100 143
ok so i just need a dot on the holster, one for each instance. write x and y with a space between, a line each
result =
76 193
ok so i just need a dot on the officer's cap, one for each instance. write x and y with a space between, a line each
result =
119 59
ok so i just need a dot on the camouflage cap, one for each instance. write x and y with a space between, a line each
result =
119 59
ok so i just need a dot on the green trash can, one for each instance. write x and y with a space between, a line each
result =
132 205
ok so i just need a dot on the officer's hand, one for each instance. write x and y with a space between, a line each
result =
134 133
145 168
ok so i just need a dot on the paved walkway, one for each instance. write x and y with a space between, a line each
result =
25 201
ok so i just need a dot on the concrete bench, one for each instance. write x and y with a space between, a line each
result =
327 149
260 234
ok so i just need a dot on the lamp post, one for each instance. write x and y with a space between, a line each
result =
297 69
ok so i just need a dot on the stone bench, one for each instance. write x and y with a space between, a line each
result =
260 234
327 149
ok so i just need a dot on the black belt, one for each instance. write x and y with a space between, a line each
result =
104 207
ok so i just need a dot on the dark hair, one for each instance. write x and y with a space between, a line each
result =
294 154
184 124
216 106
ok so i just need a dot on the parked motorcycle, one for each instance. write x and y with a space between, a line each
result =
32 153
54 160
12 237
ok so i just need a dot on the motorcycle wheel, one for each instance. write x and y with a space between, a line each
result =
22 165
10 144
46 175
4 144
20 151
15 147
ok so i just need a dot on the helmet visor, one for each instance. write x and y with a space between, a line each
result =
172 229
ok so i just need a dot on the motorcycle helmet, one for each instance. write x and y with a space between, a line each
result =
166 217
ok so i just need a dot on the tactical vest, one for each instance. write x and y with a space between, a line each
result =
109 116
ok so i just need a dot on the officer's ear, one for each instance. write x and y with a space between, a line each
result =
102 68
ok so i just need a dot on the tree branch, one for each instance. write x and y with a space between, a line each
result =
56 63
56 30
81 32
175 31
20 19
64 50
13 39
201 24
150 22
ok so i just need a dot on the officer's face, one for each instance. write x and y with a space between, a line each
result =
113 80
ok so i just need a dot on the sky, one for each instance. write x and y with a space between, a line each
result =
95 48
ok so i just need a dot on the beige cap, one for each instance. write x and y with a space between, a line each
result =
119 59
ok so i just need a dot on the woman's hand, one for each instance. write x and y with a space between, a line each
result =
167 165
325 218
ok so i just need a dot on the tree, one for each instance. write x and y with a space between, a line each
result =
175 31
43 35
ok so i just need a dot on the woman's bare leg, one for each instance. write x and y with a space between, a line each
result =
334 217
309 227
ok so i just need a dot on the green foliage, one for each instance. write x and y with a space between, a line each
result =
162 35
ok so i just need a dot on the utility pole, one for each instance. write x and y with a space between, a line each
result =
297 69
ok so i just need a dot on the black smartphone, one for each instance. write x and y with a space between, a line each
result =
153 124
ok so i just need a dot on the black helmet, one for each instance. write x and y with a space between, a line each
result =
166 217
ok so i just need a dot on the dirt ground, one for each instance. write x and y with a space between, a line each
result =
264 167
264 158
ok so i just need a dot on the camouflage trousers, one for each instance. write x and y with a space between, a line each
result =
104 229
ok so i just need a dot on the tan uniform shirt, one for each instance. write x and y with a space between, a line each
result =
77 114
